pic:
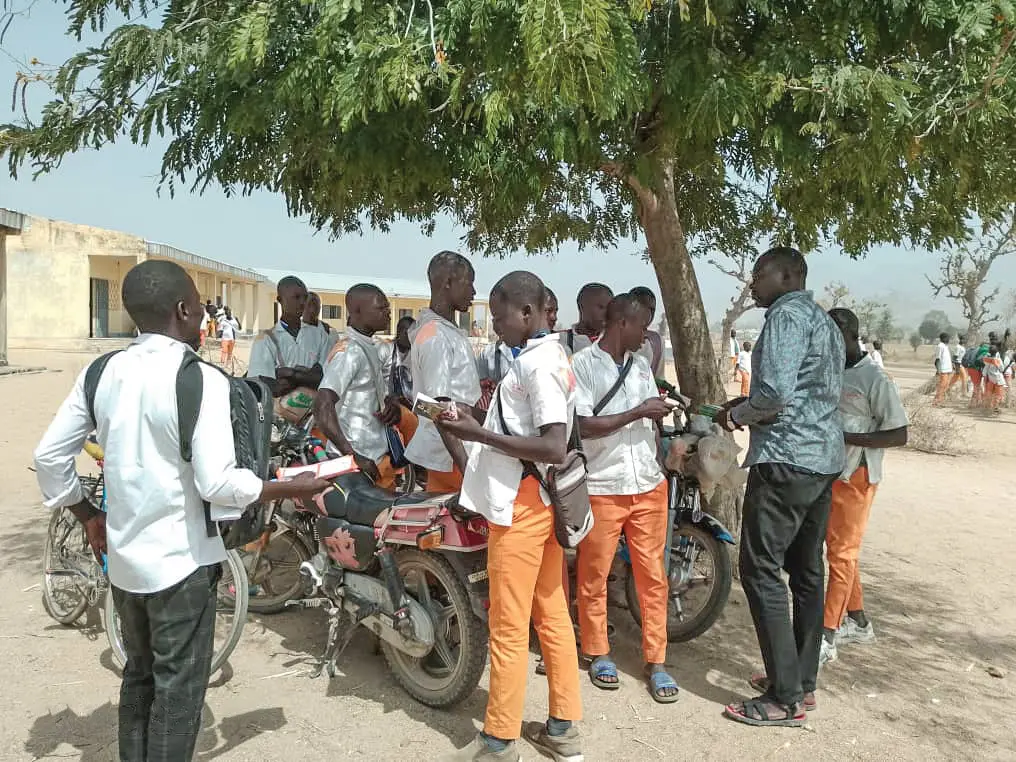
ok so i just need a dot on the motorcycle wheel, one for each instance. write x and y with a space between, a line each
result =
452 670
693 606
277 577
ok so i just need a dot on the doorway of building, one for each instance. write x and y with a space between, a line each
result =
98 307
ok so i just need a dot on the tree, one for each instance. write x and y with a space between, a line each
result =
885 328
915 340
1009 309
836 295
964 270
868 313
533 123
934 324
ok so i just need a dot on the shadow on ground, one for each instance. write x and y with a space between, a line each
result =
364 675
94 735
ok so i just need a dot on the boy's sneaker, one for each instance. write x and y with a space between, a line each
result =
851 632
479 751
828 652
563 748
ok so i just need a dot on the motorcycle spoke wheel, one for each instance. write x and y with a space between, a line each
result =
455 663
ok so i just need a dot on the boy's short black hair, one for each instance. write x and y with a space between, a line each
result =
151 291
623 306
520 288
589 289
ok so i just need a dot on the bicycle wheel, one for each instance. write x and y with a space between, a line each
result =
230 614
66 560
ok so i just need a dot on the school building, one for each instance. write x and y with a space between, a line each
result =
407 297
63 282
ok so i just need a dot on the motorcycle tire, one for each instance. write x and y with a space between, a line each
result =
419 677
682 630
272 604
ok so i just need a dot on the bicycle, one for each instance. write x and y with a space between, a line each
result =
68 558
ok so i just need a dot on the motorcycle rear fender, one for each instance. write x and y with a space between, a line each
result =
472 569
716 528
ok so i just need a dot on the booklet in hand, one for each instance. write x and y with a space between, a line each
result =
430 408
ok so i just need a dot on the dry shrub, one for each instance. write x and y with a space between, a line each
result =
933 429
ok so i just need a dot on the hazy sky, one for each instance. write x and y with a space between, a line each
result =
116 188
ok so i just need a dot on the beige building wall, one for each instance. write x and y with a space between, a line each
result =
50 267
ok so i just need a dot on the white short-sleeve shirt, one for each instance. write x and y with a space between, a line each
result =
538 390
578 341
442 364
744 361
624 462
355 376
310 347
869 402
944 357
229 327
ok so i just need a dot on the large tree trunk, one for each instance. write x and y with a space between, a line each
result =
686 315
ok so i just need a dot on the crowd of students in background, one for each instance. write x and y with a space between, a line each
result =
984 371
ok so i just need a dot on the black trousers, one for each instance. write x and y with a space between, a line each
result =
785 515
169 638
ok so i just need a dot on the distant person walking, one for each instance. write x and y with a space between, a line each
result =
733 352
794 456
943 368
743 369
876 354
959 372
873 420
229 327
995 385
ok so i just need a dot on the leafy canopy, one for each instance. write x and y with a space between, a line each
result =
527 120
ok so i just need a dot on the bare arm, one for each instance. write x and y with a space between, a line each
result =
327 419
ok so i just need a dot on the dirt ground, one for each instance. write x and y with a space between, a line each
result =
937 566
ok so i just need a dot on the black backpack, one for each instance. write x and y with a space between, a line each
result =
969 359
250 406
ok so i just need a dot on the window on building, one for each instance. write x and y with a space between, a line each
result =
332 311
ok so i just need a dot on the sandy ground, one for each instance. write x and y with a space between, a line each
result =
937 567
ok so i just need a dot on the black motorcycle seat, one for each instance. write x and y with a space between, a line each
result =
420 498
357 500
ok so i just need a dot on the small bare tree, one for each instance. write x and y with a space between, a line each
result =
965 268
738 266
836 295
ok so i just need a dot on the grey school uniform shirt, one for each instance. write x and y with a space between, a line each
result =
793 407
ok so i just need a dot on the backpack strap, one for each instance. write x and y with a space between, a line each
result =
570 339
190 390
615 388
91 382
497 362
270 333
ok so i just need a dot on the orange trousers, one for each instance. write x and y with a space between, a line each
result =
226 351
643 518
524 564
745 378
406 427
975 377
994 395
444 481
848 519
943 381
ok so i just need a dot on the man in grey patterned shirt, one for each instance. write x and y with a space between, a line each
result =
795 452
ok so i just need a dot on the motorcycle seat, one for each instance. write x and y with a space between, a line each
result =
357 500
423 498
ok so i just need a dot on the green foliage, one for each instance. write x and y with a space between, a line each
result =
530 121
934 324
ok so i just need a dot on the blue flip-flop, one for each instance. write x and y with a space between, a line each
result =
660 680
603 666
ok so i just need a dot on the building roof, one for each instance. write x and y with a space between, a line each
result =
12 221
185 257
340 284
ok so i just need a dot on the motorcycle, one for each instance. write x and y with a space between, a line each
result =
410 568
696 558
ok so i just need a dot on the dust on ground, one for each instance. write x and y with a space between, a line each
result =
937 566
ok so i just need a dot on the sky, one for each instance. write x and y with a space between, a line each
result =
117 188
